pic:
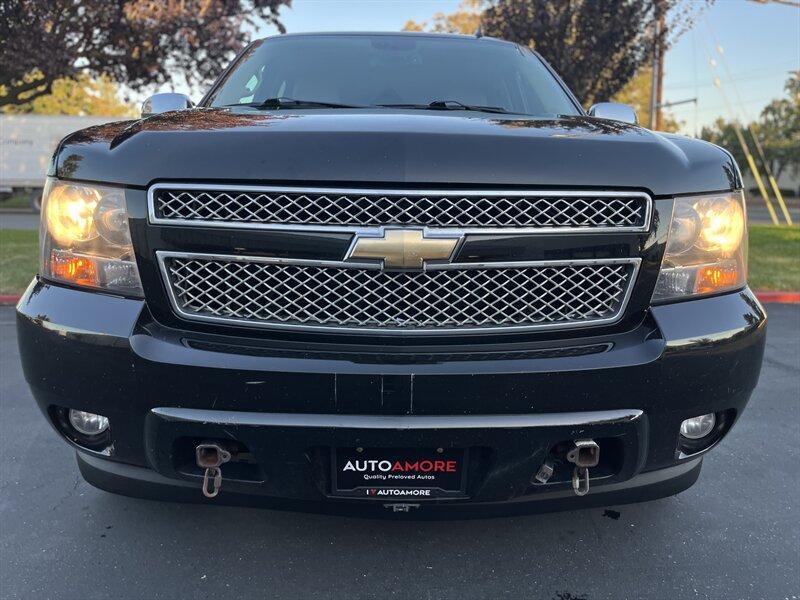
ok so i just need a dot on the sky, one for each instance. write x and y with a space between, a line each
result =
761 44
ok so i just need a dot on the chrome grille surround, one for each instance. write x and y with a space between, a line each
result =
353 209
363 298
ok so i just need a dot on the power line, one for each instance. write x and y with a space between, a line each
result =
773 184
742 142
708 85
715 107
793 3
775 67
677 103
778 66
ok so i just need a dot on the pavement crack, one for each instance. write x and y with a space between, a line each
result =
70 493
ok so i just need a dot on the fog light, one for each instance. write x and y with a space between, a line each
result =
87 423
698 427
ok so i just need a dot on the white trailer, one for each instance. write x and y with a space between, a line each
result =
27 143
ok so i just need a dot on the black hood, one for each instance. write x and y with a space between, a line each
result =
393 147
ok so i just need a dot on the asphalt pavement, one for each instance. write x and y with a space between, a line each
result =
19 220
757 211
735 534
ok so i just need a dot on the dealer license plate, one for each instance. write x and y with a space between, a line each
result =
399 473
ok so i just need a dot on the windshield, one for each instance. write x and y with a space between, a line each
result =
393 70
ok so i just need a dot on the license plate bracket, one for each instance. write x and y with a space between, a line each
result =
399 473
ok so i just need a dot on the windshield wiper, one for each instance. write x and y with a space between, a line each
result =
282 102
456 105
448 105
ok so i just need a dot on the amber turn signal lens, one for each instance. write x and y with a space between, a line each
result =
713 278
80 270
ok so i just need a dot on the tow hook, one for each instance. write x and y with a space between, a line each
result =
211 457
545 472
584 455
401 507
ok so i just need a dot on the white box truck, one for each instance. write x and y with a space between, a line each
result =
27 143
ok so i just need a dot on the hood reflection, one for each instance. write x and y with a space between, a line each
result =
198 119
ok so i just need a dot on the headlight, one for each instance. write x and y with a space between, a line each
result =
706 248
85 239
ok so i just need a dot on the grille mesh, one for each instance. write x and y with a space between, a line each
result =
373 209
269 293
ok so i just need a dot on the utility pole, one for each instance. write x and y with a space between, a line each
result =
657 82
654 78
662 26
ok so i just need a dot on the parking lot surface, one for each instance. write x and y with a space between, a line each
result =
19 220
735 534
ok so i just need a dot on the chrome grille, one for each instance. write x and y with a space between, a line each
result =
257 207
260 291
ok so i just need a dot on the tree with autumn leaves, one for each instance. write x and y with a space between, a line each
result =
81 95
135 42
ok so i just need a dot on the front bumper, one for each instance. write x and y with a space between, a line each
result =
289 404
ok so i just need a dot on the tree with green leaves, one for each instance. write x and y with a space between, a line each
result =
137 42
777 128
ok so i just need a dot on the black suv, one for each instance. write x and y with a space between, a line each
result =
397 271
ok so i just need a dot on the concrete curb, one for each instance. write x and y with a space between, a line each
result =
18 211
779 297
766 297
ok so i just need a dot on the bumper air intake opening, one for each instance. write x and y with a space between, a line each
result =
609 465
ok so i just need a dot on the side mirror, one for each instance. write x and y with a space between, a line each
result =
159 103
614 112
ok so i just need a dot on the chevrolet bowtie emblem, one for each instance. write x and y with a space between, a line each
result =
403 248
